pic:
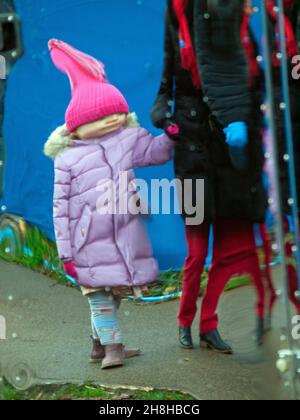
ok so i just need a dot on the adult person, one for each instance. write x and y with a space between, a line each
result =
291 24
234 193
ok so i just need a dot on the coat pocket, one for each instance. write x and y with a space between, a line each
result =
82 229
192 159
189 114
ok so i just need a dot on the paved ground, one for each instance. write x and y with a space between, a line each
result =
48 332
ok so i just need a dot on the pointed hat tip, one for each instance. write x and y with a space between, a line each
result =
52 43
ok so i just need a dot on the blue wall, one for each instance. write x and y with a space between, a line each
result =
127 35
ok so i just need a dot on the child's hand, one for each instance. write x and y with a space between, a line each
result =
172 130
70 269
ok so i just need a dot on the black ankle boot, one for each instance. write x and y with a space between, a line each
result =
185 337
268 322
260 331
213 341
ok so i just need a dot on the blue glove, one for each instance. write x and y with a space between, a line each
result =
237 134
237 140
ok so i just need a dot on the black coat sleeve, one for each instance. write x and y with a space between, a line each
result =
162 108
296 20
222 61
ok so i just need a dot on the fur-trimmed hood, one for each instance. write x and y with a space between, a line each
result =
60 139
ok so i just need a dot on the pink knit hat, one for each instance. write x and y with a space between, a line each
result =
93 98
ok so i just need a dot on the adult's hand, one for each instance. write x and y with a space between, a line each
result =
237 140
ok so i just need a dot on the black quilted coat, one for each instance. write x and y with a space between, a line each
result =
294 85
201 152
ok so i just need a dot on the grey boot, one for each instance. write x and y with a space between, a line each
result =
98 352
114 356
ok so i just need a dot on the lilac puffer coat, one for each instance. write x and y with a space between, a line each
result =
107 250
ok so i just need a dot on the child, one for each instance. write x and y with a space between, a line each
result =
104 250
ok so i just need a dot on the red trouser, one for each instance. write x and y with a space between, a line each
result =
266 272
291 270
234 253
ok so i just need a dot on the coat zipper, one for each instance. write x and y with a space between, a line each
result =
85 251
113 218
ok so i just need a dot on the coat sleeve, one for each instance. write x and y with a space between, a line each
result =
61 209
150 150
222 63
162 108
294 13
